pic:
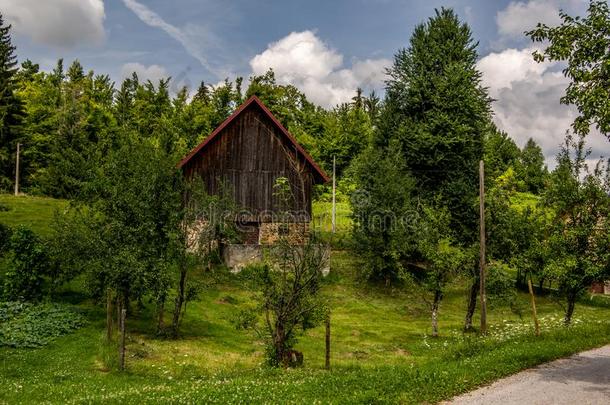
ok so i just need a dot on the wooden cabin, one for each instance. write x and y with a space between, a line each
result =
246 154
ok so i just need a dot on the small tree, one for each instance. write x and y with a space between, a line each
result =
440 260
206 224
27 265
288 286
577 239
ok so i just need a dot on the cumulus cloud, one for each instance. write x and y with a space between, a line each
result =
153 72
527 101
521 16
61 23
305 61
527 93
193 38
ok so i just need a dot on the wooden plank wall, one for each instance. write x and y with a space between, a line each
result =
248 156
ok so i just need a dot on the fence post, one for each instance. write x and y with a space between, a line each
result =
327 355
534 313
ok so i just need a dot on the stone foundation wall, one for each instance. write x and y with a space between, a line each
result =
271 232
236 257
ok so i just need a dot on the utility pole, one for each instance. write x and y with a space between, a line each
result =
17 171
334 213
482 247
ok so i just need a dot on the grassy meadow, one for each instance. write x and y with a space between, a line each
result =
381 348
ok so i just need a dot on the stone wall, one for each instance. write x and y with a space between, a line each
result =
271 232
236 257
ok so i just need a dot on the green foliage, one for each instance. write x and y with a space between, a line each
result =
583 43
26 325
27 265
11 109
500 153
438 111
382 212
578 231
531 169
288 288
5 235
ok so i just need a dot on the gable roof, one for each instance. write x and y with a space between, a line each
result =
322 176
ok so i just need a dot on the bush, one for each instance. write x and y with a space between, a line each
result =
5 235
27 325
27 264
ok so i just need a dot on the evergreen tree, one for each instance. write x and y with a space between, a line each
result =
532 169
501 153
10 107
437 112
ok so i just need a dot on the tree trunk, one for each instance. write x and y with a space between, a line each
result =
570 309
179 301
109 315
472 304
279 341
160 315
435 304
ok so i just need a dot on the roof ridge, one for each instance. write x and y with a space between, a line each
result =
254 99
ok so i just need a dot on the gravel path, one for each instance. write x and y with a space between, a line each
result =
581 379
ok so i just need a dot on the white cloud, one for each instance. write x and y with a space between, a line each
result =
193 38
502 69
527 93
527 101
61 23
305 61
521 16
153 72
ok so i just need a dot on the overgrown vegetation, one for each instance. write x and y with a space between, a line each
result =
132 234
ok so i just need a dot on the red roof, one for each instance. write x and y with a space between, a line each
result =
255 100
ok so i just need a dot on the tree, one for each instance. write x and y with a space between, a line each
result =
439 260
28 264
347 132
130 211
500 153
438 112
10 106
288 286
577 239
206 223
382 212
532 169
582 42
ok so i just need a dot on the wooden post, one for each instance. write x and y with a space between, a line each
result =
327 354
534 313
482 247
17 171
122 345
334 212
109 315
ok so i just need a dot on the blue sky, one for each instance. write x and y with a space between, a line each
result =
326 48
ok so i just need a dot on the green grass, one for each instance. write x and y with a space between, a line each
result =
34 212
381 350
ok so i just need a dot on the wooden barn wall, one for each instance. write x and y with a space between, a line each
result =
248 156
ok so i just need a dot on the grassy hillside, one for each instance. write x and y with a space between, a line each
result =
34 212
381 348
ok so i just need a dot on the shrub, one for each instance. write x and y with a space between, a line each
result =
27 264
5 234
24 324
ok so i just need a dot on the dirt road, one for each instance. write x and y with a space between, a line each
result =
581 379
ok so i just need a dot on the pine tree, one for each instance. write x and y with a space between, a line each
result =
10 107
532 169
437 111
